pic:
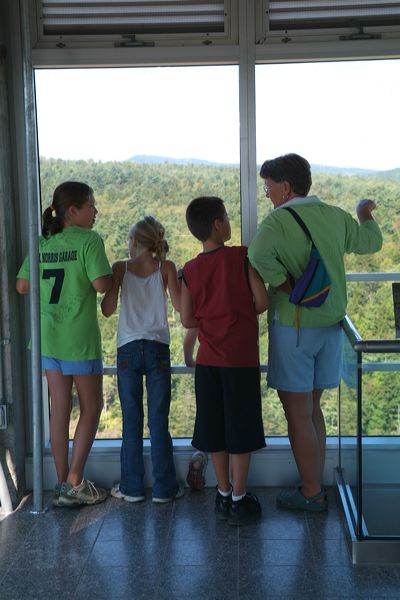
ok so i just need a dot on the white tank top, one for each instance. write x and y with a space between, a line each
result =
143 311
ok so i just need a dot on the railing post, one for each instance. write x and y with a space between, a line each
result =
359 447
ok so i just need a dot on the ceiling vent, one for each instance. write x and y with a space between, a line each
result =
85 21
322 14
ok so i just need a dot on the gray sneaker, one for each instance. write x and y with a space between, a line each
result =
56 495
83 494
178 494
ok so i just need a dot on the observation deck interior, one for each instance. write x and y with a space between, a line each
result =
179 550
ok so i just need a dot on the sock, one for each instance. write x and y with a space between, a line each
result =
225 494
237 498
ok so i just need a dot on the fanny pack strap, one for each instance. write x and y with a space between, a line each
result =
304 227
306 231
300 222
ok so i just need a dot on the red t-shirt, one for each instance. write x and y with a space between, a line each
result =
223 305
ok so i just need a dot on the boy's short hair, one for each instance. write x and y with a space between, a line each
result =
201 214
292 168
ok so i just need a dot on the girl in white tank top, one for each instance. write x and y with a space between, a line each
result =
143 350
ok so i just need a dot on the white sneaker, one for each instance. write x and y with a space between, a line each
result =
179 493
116 493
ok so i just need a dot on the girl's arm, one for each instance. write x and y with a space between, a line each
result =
102 284
188 346
258 290
173 284
110 300
188 319
22 285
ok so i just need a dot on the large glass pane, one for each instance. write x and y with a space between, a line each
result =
341 116
148 140
381 417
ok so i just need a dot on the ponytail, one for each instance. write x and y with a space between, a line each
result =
160 250
51 224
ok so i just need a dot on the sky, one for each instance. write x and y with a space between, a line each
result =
341 114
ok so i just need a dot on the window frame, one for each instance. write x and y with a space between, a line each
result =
247 50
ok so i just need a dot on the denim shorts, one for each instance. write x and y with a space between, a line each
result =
305 360
73 367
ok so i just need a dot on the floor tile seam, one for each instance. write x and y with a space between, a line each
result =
4 575
310 542
238 563
397 572
272 538
79 578
263 564
12 562
164 555
86 561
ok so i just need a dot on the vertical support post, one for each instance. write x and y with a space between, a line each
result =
359 448
5 499
340 426
31 158
247 110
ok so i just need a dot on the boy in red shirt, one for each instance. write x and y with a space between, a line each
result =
222 296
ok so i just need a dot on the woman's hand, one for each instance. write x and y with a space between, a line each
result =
364 209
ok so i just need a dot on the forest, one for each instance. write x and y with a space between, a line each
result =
126 191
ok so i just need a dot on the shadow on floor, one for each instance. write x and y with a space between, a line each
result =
179 550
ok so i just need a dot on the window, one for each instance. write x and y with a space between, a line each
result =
147 140
342 117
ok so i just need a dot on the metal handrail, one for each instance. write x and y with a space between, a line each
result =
389 276
377 346
350 330
361 346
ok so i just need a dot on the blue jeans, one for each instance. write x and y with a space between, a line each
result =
152 359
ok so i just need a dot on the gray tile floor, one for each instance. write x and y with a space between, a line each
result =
179 550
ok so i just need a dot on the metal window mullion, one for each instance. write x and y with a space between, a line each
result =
32 184
247 111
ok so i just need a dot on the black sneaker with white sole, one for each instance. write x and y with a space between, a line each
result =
222 505
244 511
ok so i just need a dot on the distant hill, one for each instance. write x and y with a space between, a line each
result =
344 170
150 159
175 161
392 174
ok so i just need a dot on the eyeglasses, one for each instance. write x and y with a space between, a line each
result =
265 188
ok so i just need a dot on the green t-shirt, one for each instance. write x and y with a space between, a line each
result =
69 262
280 244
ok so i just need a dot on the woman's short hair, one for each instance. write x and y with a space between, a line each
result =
292 168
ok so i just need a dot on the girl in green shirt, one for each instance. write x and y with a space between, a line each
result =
73 269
